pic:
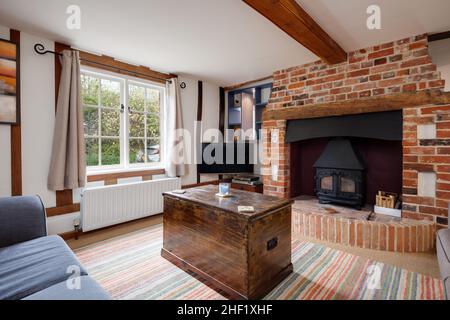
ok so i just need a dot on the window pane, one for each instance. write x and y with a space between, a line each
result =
137 151
110 123
153 100
91 121
91 151
110 151
153 125
153 150
90 90
110 93
136 98
137 125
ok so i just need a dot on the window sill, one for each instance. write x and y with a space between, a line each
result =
102 175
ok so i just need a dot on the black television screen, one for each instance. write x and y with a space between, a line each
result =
232 157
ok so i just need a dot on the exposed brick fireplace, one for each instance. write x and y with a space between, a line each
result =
402 66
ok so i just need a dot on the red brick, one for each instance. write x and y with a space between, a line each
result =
341 90
296 85
442 203
443 168
365 94
416 62
420 238
413 241
443 134
359 234
375 77
443 125
443 195
419 150
383 237
391 82
409 87
385 68
443 177
352 234
418 45
400 239
436 84
358 73
356 59
379 91
380 54
434 211
443 150
410 175
367 235
435 159
426 201
374 239
391 238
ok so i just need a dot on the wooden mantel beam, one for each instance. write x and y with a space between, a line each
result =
296 22
358 106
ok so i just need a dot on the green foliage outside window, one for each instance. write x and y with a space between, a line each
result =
102 100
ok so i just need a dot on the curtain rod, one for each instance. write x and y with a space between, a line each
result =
40 49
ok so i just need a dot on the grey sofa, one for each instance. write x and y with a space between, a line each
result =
34 266
443 252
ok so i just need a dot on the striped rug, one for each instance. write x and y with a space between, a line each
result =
130 267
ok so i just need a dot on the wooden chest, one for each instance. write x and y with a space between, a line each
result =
244 255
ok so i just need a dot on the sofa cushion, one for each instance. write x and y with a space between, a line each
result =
31 266
89 290
443 253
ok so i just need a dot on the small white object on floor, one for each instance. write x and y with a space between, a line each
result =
246 209
179 191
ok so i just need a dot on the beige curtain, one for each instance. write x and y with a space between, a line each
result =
68 166
175 154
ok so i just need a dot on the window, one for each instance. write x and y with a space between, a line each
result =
122 121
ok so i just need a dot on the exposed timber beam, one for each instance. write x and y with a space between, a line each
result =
297 23
358 106
439 36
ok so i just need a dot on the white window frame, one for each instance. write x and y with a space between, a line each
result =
125 81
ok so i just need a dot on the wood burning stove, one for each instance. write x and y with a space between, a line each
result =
340 174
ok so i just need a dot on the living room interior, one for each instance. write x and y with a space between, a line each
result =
224 150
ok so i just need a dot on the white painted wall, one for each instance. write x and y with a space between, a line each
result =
210 118
5 144
37 81
38 117
440 54
189 96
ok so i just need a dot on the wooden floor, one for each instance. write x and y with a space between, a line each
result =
425 263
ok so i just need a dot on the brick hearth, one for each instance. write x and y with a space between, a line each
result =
352 228
395 67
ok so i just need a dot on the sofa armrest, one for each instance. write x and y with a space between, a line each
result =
21 219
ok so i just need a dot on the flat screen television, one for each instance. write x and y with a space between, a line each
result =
227 158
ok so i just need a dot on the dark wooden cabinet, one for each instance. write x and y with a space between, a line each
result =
244 255
246 187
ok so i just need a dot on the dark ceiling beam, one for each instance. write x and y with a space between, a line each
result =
297 23
439 36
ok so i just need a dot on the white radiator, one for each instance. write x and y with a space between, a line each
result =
109 205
